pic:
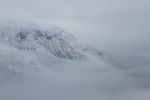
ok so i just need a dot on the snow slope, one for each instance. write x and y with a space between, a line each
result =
37 63
30 36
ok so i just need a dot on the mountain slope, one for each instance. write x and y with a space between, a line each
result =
55 40
47 64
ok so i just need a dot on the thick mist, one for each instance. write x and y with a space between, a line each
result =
119 28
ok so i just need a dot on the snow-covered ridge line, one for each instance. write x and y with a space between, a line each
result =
31 36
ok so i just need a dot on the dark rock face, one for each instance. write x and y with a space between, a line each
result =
93 51
57 45
21 36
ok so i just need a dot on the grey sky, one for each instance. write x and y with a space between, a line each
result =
120 27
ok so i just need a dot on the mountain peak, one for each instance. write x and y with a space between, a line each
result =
31 36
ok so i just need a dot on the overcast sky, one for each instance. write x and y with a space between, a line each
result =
120 27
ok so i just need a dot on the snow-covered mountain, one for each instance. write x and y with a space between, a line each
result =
38 63
45 63
30 36
26 47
